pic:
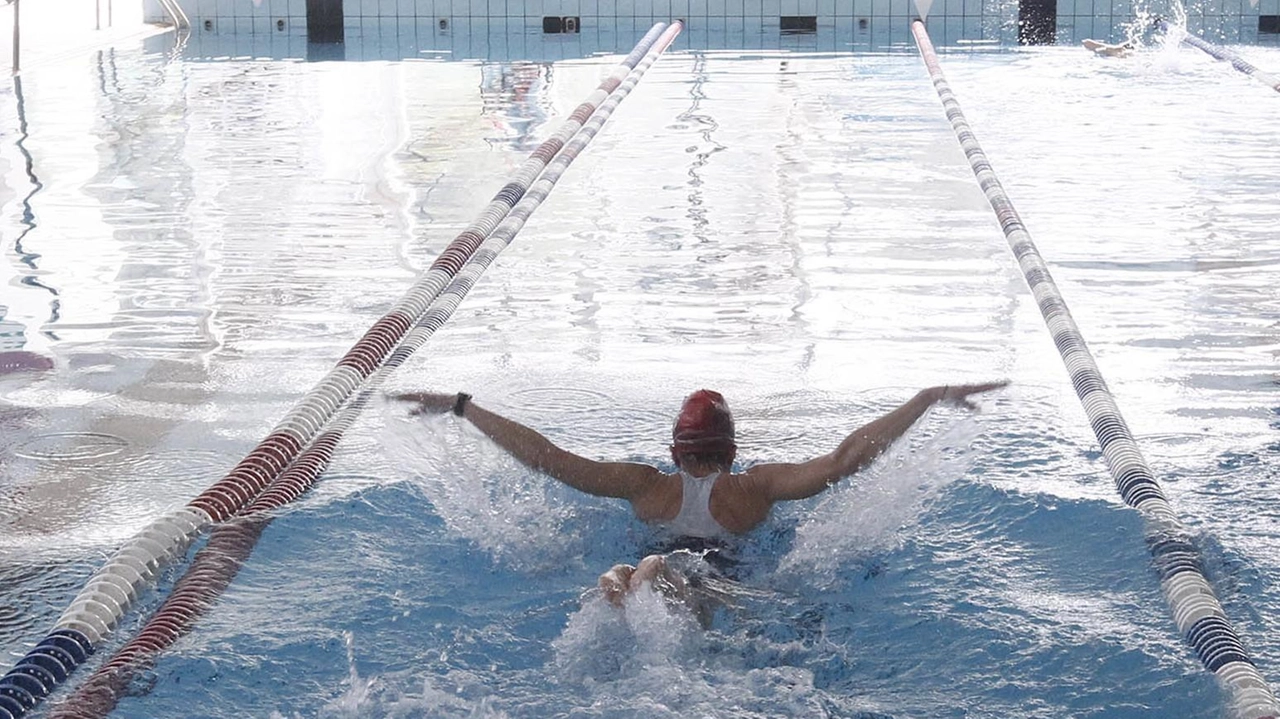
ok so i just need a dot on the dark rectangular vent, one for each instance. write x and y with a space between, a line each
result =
324 21
553 25
1037 22
1269 24
798 24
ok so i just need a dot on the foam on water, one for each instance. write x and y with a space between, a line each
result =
650 658
517 516
868 514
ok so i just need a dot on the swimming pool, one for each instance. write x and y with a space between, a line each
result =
197 242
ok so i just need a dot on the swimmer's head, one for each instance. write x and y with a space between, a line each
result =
703 433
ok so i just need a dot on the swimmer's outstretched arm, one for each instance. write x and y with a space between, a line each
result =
779 482
624 480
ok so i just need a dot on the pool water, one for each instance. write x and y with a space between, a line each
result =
195 243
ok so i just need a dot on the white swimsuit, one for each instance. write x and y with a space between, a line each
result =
694 519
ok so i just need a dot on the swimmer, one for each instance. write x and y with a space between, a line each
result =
704 500
1124 49
704 497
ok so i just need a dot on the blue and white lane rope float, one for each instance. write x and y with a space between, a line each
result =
1196 609
1220 53
110 593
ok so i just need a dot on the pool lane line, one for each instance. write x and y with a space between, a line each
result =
1224 54
1195 608
232 541
111 591
233 492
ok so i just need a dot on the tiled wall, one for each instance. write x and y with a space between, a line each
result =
842 24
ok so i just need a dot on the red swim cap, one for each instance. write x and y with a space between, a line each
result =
704 425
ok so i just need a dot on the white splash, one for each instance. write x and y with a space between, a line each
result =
484 495
354 702
867 514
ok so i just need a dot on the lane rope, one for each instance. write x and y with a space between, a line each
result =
1195 608
232 541
109 594
1221 53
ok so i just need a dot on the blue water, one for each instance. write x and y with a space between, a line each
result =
202 240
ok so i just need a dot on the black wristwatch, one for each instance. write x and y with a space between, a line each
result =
461 403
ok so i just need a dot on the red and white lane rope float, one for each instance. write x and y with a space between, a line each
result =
279 469
1196 609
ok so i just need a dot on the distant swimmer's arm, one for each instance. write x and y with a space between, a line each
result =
799 481
625 480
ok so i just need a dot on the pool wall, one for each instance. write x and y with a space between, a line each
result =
825 25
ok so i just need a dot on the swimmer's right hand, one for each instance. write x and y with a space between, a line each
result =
958 394
427 402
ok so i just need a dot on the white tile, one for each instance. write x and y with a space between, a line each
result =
697 8
1230 30
1249 30
771 8
879 32
953 29
1064 31
716 8
880 9
789 7
589 8
826 8
807 7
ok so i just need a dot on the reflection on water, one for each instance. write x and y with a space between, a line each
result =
796 230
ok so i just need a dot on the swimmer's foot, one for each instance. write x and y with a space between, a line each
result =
616 582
